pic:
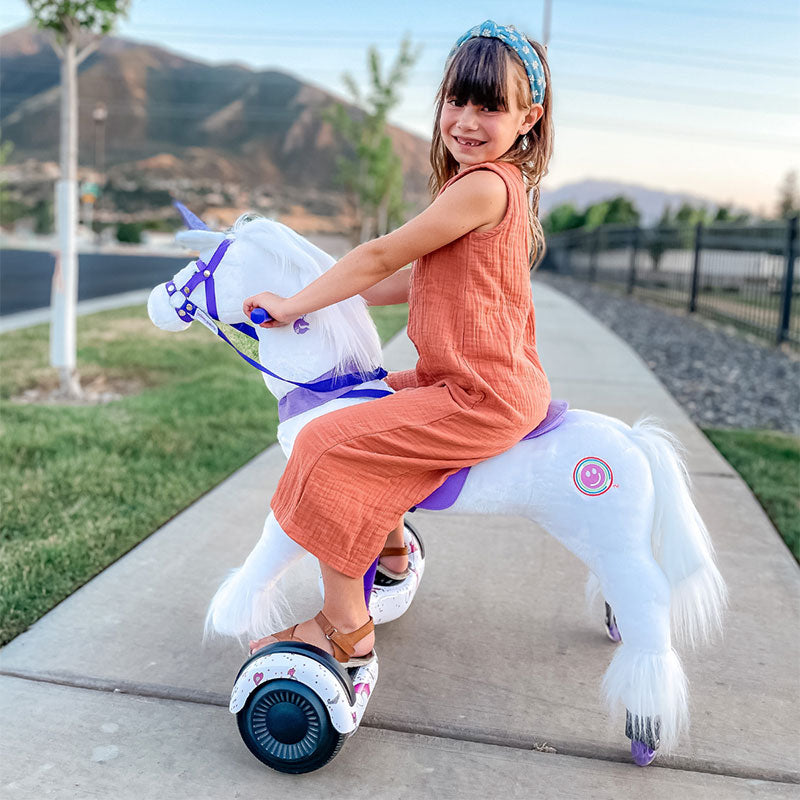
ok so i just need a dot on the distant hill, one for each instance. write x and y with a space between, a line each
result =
229 133
226 122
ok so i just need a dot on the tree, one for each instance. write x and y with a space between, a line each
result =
77 27
656 240
564 217
7 206
788 197
373 172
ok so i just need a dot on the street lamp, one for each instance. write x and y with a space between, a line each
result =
100 115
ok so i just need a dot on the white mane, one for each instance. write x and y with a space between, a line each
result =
346 326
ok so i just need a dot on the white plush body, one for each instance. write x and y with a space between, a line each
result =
642 538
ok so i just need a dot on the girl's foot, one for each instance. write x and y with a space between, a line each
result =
397 564
311 632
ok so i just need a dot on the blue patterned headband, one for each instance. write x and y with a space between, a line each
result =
519 44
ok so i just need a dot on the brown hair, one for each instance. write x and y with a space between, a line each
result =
477 73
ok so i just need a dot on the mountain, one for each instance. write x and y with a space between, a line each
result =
226 123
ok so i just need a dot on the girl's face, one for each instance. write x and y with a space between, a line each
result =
475 134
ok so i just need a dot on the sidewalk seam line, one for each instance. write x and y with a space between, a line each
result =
215 700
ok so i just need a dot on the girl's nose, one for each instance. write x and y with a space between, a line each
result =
468 118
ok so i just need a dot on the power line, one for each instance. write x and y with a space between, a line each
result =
693 11
663 93
335 40
651 47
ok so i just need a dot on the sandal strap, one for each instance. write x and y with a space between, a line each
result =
343 643
286 635
394 551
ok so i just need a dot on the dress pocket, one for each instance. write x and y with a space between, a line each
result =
466 398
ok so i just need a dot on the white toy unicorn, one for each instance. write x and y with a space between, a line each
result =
616 496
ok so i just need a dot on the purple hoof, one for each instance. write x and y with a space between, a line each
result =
611 625
613 632
641 753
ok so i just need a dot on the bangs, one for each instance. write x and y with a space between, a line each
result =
477 74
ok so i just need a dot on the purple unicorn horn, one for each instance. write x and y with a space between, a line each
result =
193 222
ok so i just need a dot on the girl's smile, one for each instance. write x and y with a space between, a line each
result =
468 142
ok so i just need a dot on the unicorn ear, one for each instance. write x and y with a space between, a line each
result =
199 240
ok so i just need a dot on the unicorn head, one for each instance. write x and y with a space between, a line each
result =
264 255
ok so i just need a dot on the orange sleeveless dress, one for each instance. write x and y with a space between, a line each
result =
477 389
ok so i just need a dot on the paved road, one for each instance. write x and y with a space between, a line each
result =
26 275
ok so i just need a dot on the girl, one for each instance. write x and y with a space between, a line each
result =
478 386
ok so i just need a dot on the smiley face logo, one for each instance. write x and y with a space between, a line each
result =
592 476
301 326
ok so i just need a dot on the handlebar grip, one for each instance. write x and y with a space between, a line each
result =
259 315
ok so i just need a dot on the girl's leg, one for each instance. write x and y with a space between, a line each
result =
344 606
395 539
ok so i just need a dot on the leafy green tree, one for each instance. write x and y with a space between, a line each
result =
9 209
621 211
372 172
130 232
564 217
77 27
43 217
788 197
724 214
656 239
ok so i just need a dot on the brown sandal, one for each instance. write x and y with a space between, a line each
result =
393 551
343 643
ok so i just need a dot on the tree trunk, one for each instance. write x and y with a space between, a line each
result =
383 215
65 284
366 228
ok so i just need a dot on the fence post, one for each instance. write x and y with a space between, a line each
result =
788 279
593 255
698 246
634 252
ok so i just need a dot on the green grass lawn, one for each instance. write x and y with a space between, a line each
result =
83 485
769 462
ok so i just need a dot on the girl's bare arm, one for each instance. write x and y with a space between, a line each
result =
477 199
390 291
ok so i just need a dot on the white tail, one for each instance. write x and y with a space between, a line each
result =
680 540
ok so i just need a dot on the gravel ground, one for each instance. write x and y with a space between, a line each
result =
721 378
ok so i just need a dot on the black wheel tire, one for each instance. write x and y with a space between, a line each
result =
286 725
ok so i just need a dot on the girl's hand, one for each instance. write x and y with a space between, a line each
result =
273 304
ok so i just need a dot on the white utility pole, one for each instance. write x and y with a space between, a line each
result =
546 23
64 295
67 20
65 279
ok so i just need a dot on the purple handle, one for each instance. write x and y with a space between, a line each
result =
259 315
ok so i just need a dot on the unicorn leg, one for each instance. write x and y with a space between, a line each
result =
645 673
250 602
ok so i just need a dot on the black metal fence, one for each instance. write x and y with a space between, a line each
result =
741 274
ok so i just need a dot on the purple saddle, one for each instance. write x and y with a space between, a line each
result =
448 492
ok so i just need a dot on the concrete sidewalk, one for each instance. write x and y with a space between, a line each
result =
112 693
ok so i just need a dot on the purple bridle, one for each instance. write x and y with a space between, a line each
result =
307 395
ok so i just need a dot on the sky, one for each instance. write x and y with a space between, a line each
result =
701 97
